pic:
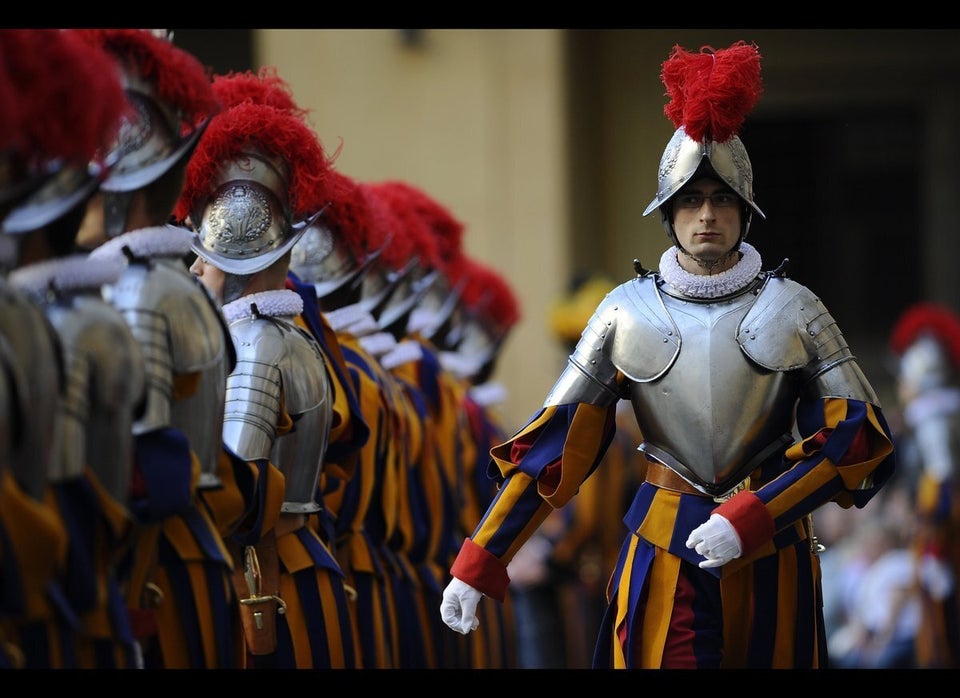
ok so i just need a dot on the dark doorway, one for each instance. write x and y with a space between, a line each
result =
223 50
841 192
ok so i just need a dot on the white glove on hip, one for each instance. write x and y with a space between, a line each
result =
459 606
716 540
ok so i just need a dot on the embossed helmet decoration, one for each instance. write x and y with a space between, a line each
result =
256 170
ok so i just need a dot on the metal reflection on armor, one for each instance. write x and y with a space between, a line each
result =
279 370
37 378
320 259
148 142
683 156
181 332
104 384
243 227
714 384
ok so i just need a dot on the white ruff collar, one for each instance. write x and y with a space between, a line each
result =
711 285
278 303
155 241
72 273
353 319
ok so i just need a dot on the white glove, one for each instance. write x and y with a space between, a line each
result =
459 606
716 540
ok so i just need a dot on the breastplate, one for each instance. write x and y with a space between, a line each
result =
715 413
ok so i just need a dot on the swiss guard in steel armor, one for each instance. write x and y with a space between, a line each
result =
177 575
753 410
76 370
257 170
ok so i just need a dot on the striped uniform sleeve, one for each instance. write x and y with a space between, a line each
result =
540 468
846 457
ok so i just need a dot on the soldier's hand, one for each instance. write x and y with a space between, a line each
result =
459 606
716 540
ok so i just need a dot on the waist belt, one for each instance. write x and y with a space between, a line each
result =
662 476
658 458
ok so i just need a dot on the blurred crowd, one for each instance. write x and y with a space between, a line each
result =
890 570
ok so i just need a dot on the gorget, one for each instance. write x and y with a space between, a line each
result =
278 303
726 282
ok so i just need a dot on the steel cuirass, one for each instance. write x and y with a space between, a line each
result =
104 385
103 368
36 379
714 383
181 332
280 369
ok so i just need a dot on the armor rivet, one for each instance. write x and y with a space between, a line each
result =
665 340
593 361
753 336
812 333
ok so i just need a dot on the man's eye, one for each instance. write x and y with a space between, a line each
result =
723 199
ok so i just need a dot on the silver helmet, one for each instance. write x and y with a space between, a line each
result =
684 157
170 104
323 259
149 142
244 227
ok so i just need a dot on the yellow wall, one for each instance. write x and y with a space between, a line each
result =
473 117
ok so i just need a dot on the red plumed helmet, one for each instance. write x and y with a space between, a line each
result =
927 318
62 108
351 216
68 94
487 293
171 100
411 235
255 170
711 93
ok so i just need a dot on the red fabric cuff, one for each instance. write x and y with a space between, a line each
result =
481 570
750 519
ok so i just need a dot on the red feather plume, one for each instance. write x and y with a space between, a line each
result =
354 215
411 234
65 95
178 78
263 87
273 132
486 292
446 230
932 318
385 217
711 92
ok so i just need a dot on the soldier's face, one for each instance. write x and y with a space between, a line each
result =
706 220
210 276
